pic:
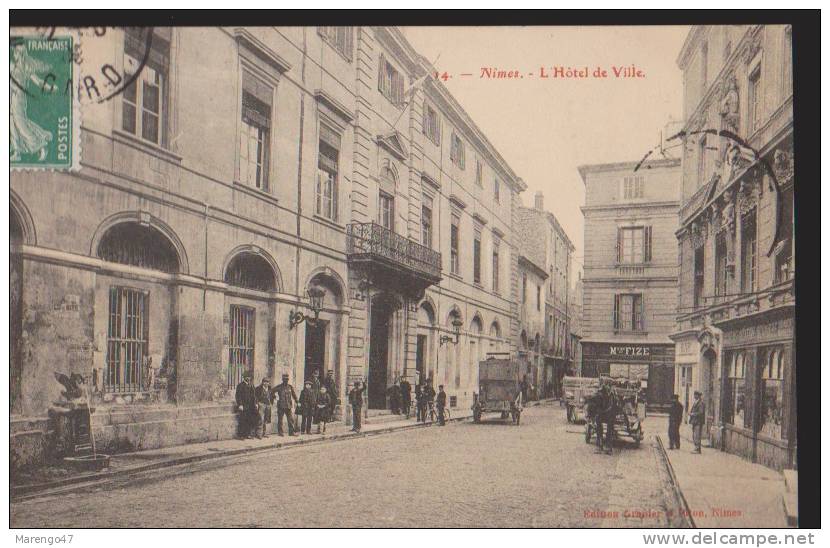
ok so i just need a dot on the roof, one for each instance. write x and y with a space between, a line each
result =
620 166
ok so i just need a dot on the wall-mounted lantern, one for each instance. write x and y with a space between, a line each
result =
456 327
315 297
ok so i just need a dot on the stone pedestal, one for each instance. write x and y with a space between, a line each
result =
72 429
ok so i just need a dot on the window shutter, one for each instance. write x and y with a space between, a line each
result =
424 120
642 312
397 92
616 318
647 244
381 71
619 245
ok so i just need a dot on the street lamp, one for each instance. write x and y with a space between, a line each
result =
456 327
315 296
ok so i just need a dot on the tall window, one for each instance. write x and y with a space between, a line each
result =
735 404
749 253
454 237
772 393
634 245
633 187
386 211
390 82
702 167
496 189
457 151
127 340
340 38
430 124
477 257
698 295
524 288
144 102
783 258
628 312
754 95
538 297
241 343
721 264
426 221
254 135
479 172
496 265
327 170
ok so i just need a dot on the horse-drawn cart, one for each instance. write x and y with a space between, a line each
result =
629 409
577 390
499 389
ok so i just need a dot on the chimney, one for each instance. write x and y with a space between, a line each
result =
539 201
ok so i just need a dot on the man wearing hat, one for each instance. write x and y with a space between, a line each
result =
697 416
675 418
264 398
287 399
356 401
331 388
246 404
308 401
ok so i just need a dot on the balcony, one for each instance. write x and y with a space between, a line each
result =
391 257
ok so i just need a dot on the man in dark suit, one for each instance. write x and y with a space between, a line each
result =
247 406
285 404
356 401
264 399
675 418
406 397
331 388
419 402
697 417
441 404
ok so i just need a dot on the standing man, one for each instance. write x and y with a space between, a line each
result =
697 416
394 393
247 406
675 418
440 404
419 402
525 389
406 396
356 401
308 403
287 399
264 399
429 397
331 388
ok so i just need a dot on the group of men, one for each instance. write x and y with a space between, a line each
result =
316 404
697 418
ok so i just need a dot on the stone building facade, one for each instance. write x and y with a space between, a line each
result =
172 262
553 251
735 329
531 299
630 273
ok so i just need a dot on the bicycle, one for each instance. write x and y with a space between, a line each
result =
433 414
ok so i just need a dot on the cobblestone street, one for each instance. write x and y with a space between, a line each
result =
541 474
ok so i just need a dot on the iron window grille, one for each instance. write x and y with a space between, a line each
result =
241 344
127 340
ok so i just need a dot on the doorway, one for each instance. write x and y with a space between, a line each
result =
382 310
420 358
315 348
709 364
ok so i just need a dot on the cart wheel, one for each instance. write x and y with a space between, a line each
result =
569 414
476 416
504 414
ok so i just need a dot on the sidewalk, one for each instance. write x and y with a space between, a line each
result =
723 490
58 479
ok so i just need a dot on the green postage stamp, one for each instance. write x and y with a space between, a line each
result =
43 115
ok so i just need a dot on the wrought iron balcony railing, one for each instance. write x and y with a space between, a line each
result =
368 241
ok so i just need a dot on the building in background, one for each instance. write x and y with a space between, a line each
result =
735 330
541 237
356 193
531 300
575 317
630 273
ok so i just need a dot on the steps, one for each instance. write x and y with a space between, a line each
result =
790 497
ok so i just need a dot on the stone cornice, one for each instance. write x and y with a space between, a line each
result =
619 166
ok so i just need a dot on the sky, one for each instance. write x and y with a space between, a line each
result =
546 127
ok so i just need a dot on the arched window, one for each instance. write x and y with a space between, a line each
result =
772 395
495 330
736 389
475 325
251 271
426 315
134 244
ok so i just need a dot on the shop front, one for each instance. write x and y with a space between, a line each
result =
651 364
758 404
